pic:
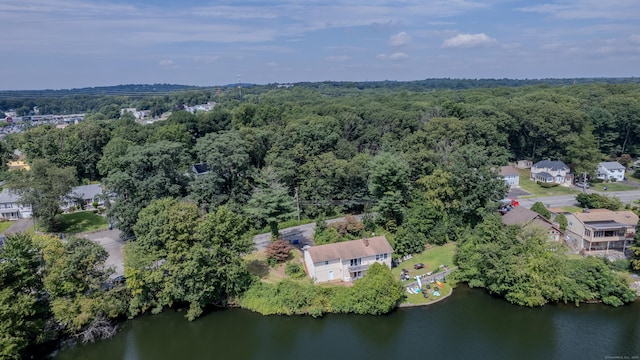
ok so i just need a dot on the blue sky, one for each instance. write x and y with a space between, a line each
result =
53 44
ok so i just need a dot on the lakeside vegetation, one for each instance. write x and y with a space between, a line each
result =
422 161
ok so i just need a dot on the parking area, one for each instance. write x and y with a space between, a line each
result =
110 240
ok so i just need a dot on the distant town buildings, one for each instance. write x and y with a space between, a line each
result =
202 107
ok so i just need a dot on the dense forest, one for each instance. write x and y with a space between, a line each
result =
421 163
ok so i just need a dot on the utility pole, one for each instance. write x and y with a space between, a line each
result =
298 203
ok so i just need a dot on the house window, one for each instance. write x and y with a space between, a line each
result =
326 262
385 256
356 262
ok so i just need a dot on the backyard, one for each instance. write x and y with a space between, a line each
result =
81 221
431 258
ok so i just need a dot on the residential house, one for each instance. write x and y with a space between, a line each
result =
551 171
524 217
10 208
510 175
346 261
601 229
200 170
83 197
524 164
610 170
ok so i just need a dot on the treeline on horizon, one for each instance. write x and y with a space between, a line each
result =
423 161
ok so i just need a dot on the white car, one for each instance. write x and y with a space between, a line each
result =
583 185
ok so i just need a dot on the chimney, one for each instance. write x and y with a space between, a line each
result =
365 241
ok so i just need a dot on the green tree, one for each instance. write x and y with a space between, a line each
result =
177 258
270 201
562 221
389 183
597 201
378 292
145 173
42 188
24 309
74 275
541 209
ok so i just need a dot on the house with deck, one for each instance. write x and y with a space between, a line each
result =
524 217
601 229
83 197
346 261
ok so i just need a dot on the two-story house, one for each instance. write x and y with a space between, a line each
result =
510 175
610 170
601 229
346 261
524 217
551 171
10 208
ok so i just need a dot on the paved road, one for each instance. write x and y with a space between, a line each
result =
303 233
20 225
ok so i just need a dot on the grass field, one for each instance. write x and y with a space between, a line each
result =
432 259
5 225
536 190
82 221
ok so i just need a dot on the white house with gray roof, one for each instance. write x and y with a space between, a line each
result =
610 170
346 261
551 171
11 209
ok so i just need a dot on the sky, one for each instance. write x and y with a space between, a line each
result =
61 44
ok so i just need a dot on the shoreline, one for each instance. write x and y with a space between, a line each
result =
403 305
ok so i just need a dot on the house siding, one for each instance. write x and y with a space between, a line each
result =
608 174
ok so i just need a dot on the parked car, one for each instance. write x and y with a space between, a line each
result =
418 266
583 185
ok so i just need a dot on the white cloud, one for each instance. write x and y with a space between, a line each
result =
167 63
635 38
400 39
468 41
338 58
272 64
398 56
381 56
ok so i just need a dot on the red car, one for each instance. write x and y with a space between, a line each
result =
418 266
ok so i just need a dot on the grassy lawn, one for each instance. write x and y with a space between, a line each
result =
572 209
612 187
536 190
419 299
81 222
431 258
5 225
257 263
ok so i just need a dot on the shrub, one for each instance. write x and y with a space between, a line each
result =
278 251
546 185
294 270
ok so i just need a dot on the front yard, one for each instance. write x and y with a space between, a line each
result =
257 263
81 221
536 190
612 187
4 225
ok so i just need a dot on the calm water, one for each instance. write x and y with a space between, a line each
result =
468 325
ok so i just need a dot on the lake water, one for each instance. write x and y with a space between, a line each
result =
468 325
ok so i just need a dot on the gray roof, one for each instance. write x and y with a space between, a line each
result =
545 174
86 191
612 165
554 165
7 196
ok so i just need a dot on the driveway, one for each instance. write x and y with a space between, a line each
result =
20 225
302 233
110 240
